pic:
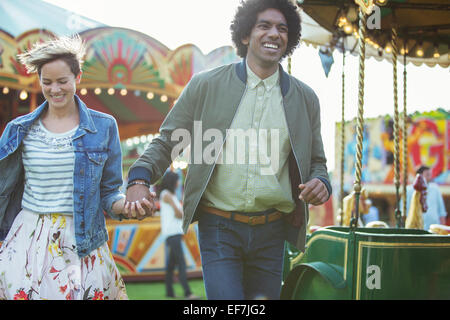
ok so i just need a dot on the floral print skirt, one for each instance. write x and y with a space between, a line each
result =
39 261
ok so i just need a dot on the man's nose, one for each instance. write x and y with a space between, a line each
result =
274 33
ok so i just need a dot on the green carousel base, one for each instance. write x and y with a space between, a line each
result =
368 264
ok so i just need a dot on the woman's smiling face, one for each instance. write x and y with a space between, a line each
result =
58 84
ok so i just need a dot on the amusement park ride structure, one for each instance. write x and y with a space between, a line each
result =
352 262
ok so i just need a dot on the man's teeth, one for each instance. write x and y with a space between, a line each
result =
269 45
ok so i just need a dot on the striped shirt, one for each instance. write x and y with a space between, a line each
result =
48 160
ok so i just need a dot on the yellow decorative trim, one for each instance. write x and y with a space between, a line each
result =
372 244
328 237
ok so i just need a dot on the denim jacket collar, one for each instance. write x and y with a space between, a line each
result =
86 121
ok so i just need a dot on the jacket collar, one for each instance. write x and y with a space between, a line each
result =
241 71
86 121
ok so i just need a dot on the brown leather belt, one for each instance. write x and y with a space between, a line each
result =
250 220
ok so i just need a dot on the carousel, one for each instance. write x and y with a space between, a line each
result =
375 261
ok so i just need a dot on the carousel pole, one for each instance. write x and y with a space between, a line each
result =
396 132
405 142
360 119
289 66
341 204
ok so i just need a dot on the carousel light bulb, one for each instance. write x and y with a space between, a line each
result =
5 90
164 98
143 139
419 52
436 53
97 91
129 142
83 91
348 28
150 95
111 91
381 2
388 48
123 92
23 95
136 140
342 21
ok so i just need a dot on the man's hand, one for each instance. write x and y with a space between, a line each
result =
313 192
139 202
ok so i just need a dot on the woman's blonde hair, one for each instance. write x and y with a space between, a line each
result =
69 49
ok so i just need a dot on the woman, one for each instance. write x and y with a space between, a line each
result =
62 169
171 227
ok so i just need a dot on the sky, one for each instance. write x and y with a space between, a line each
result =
206 23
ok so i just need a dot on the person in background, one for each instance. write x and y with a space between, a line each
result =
171 213
372 215
61 168
436 212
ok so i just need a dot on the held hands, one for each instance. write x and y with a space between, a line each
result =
139 202
313 192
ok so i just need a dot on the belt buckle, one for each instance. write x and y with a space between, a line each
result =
252 220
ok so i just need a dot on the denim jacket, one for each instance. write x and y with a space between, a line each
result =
97 174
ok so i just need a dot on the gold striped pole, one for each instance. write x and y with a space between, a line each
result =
396 131
360 119
405 143
341 209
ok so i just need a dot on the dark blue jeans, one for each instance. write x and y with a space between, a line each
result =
175 258
241 261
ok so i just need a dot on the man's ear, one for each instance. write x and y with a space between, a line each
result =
245 41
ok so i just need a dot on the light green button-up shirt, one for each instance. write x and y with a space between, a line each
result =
252 173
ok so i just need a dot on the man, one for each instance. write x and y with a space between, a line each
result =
245 209
436 212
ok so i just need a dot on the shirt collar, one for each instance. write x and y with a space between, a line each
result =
253 80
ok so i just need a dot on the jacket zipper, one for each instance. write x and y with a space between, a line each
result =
293 151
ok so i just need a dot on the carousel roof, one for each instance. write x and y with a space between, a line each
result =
423 27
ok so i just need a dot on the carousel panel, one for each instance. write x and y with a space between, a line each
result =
369 264
138 248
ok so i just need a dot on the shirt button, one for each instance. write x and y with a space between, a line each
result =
82 171
81 197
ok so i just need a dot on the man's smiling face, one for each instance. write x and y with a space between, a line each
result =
268 39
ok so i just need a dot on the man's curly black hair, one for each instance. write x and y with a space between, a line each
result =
245 20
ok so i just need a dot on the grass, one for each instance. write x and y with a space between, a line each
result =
157 290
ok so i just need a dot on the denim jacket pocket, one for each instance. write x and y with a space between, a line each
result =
97 157
96 162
